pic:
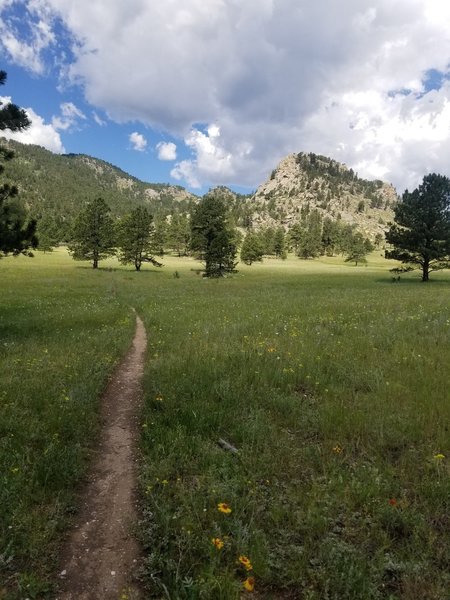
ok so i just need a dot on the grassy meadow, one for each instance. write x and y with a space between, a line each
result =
331 381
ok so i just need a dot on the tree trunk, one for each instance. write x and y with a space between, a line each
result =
95 263
425 270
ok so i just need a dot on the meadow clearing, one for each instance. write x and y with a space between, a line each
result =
331 381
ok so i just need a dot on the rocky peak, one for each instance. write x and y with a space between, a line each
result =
306 181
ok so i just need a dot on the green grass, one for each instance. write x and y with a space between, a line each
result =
331 380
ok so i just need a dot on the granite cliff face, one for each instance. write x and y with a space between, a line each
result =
304 182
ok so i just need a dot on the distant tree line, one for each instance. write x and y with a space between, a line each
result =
308 238
133 238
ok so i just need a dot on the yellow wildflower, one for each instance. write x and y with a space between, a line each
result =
439 456
249 584
245 561
218 543
337 449
224 508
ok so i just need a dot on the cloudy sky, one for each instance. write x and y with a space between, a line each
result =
207 92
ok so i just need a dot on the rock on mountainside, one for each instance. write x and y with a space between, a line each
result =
304 182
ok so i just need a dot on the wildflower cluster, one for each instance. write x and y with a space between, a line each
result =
243 561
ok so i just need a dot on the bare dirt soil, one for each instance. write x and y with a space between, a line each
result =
101 554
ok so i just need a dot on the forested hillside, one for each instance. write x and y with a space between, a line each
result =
54 186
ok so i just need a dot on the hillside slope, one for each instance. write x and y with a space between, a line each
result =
57 185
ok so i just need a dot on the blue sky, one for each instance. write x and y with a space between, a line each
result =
215 92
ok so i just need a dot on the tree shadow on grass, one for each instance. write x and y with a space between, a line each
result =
413 280
119 270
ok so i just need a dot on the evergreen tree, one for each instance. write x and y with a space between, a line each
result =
160 235
179 234
294 237
329 236
359 248
378 240
17 232
421 232
211 235
252 249
11 116
135 236
311 240
93 233
47 233
279 243
344 238
267 236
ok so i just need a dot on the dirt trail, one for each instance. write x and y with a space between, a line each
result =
101 554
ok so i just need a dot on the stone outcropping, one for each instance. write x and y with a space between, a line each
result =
304 182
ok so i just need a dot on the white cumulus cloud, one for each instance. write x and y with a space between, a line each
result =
167 151
70 115
211 161
186 171
39 133
138 141
343 79
26 53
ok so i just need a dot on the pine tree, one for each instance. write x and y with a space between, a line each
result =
279 244
329 236
159 235
47 233
93 233
212 237
310 245
179 234
358 250
17 232
135 235
421 232
294 237
252 249
267 236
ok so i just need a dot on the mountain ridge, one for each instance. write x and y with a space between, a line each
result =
304 182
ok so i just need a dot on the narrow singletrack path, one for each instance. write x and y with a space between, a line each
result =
101 554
